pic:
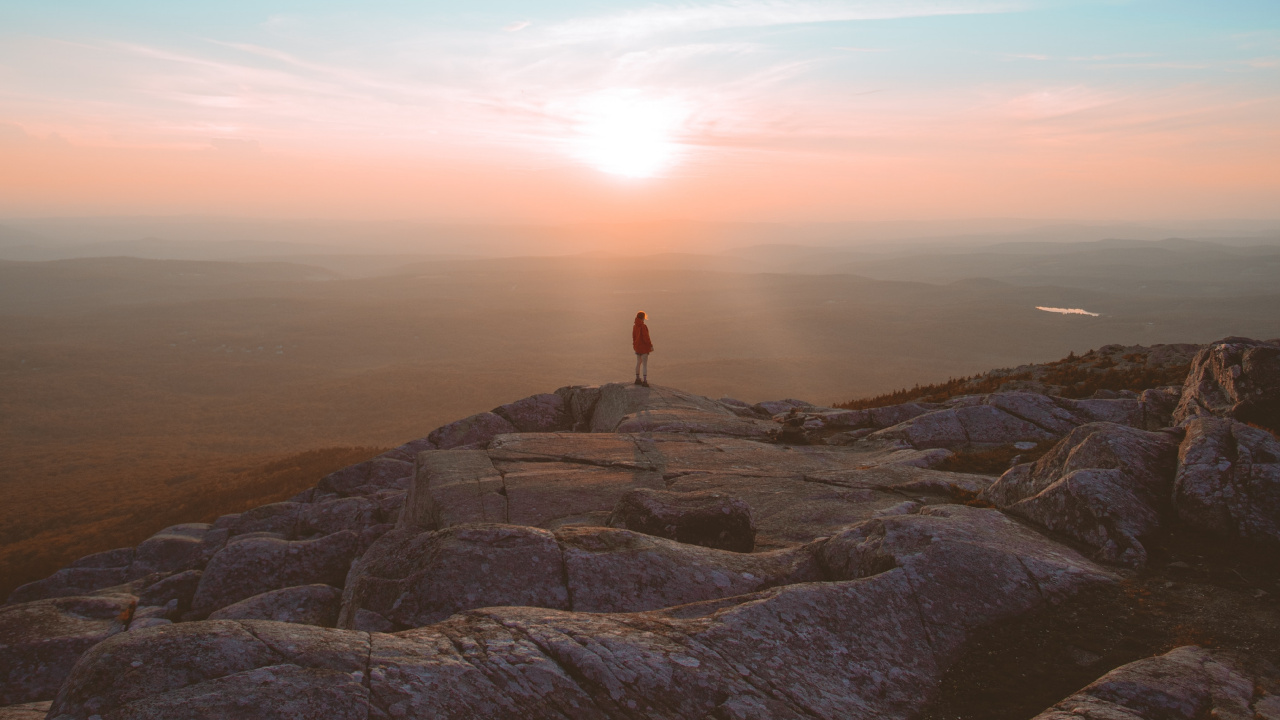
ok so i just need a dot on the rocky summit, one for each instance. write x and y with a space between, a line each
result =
641 552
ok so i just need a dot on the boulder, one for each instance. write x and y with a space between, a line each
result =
1186 683
408 451
145 614
69 582
1002 418
708 518
177 589
177 548
1103 484
281 518
538 413
222 669
991 425
415 578
41 640
338 514
381 473
118 558
1236 378
1055 415
938 429
966 425
1228 480
303 604
248 567
1157 406
476 430
971 567
873 645
890 415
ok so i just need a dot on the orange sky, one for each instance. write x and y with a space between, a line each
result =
730 111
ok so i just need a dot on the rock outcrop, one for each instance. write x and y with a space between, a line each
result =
621 551
251 566
1186 683
371 476
415 578
41 640
1228 480
1007 418
1105 485
1235 378
304 604
538 413
900 601
549 480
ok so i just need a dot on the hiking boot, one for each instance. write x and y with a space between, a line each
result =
637 380
644 383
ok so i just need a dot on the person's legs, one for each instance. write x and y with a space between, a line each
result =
644 360
638 358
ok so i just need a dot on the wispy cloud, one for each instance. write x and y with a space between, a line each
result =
1167 65
661 19
422 91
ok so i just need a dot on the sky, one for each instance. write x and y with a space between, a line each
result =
590 111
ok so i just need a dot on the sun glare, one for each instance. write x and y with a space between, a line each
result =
626 134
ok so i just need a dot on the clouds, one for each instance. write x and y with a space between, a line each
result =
736 87
702 17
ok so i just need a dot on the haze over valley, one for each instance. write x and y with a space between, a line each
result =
129 383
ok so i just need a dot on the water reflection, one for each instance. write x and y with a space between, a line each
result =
1068 311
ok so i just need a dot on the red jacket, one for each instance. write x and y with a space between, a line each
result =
640 338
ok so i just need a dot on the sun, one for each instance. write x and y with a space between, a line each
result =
627 134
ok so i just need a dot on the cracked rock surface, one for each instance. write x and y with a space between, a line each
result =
1235 378
896 600
474 572
1103 484
1228 480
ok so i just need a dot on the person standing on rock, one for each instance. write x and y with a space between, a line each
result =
641 343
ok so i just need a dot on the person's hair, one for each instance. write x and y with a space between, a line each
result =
641 315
